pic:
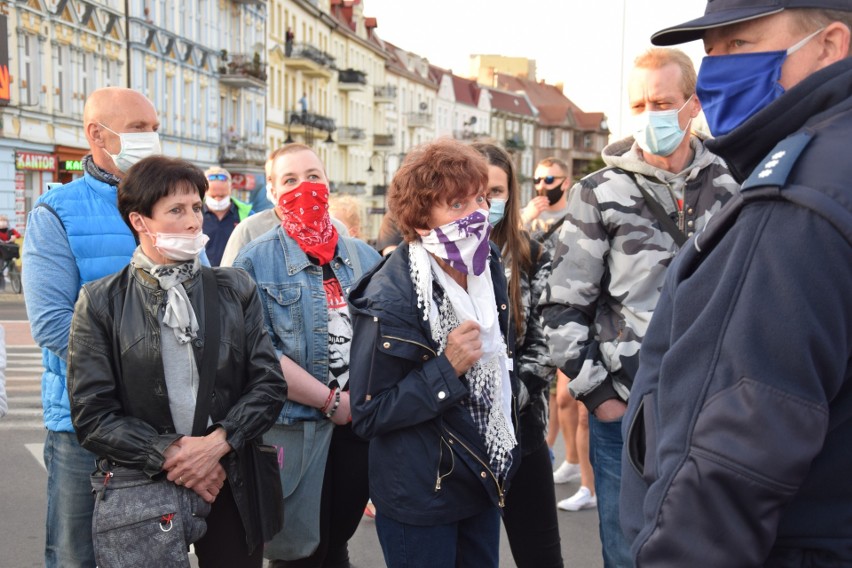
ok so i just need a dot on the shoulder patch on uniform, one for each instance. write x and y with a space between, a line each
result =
776 166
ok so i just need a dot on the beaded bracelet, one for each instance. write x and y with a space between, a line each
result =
331 412
325 406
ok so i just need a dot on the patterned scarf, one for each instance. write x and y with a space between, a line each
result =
489 401
93 170
304 215
462 243
179 314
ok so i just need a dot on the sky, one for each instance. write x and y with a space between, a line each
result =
575 42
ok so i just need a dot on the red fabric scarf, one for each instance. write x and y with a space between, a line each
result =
304 215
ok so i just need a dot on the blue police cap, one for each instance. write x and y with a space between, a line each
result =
725 12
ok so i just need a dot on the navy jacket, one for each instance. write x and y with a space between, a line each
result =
738 434
428 463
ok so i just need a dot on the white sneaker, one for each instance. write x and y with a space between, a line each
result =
566 472
582 499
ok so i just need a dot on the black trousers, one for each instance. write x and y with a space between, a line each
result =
224 543
345 491
530 513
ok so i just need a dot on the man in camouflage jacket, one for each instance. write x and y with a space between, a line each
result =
612 254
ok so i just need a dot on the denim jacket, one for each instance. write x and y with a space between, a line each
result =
295 310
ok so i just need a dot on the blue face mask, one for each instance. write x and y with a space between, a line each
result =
496 211
658 131
732 88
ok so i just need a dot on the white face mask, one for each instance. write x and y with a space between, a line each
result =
178 246
214 204
135 146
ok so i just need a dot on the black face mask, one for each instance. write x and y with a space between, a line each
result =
553 194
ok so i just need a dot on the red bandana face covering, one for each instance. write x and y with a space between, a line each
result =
304 215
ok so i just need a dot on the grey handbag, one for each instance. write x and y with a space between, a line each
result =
139 521
305 446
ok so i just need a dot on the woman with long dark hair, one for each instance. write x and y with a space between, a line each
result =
530 513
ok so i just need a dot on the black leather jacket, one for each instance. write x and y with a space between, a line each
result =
117 388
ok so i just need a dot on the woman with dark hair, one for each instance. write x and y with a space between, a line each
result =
530 513
431 368
155 396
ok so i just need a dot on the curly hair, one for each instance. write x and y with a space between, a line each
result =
433 174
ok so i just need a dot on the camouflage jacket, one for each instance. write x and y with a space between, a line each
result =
610 261
535 369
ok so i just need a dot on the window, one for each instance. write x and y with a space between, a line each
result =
566 139
29 70
587 140
61 88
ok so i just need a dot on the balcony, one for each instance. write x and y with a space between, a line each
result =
515 143
384 94
357 188
419 119
248 2
465 134
242 71
347 135
302 121
310 60
235 149
384 141
351 80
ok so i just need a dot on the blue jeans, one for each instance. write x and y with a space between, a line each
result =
70 503
605 444
469 543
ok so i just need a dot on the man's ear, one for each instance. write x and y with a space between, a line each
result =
696 106
835 44
94 133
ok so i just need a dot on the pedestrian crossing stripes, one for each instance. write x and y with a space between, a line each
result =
23 388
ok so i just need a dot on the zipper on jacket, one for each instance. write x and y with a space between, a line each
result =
432 351
440 477
501 499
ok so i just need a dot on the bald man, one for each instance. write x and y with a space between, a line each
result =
75 234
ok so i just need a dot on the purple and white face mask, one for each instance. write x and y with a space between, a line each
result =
462 243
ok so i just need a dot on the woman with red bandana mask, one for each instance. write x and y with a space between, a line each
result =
304 270
432 371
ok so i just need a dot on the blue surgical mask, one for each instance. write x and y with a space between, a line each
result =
658 131
732 88
496 211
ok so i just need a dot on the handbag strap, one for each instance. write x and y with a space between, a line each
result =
666 222
210 351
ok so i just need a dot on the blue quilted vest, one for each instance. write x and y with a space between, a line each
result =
102 244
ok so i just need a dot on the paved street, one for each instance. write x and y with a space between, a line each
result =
22 493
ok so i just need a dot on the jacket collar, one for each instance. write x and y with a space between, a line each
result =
806 103
295 257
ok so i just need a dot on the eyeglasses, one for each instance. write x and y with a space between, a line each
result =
547 180
217 177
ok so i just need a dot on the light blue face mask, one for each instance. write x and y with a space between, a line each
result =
658 132
496 211
732 88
